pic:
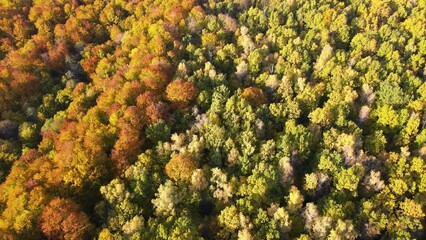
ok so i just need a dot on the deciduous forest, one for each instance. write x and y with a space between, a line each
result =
212 119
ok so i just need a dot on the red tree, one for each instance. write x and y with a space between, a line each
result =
64 219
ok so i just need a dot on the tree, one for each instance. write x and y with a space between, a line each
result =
28 134
254 96
411 208
167 199
198 180
229 218
220 186
9 153
348 179
181 93
376 142
158 132
343 230
184 119
64 219
294 199
326 55
8 129
180 167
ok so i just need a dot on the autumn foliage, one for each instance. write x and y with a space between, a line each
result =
64 219
180 167
254 96
181 93
186 119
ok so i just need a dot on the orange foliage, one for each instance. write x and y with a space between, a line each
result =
180 93
57 55
24 83
254 96
161 64
126 148
81 157
128 145
154 80
128 93
146 99
29 156
134 116
89 64
46 145
180 167
64 219
154 109
175 15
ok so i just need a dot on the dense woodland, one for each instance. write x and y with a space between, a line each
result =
212 119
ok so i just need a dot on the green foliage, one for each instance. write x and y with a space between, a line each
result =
348 179
29 134
10 152
158 132
212 119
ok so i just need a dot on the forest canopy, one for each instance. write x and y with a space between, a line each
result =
212 119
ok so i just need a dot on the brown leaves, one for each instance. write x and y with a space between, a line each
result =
254 96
